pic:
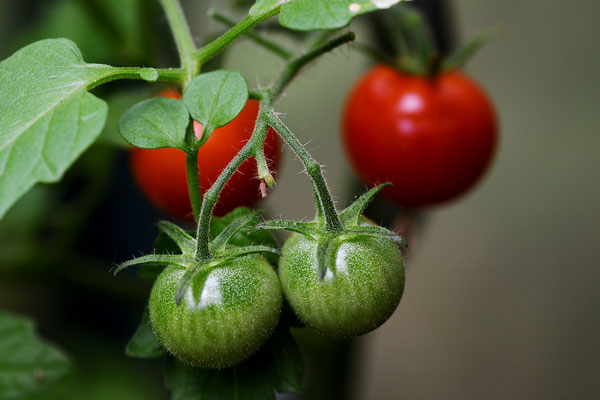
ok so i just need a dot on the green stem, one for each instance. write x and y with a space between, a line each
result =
183 38
266 118
268 44
293 68
313 169
215 47
212 195
118 73
193 181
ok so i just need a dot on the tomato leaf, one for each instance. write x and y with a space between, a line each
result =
27 364
214 99
155 124
144 343
326 14
277 367
47 120
118 104
265 6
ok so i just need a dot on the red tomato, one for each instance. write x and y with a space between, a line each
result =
432 138
162 176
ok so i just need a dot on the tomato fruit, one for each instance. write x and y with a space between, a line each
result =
360 289
432 137
225 315
162 177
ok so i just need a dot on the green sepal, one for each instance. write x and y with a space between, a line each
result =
144 343
462 56
164 259
327 249
186 281
304 228
244 251
182 239
379 232
350 216
246 236
223 256
219 243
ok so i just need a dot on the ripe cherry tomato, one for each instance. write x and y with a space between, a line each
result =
162 177
433 138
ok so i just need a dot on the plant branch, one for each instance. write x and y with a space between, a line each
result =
215 47
268 44
212 195
183 38
193 181
313 169
293 68
118 73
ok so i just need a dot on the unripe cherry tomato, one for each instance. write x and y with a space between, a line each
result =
432 137
360 290
161 173
224 317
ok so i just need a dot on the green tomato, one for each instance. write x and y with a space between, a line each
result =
226 314
360 289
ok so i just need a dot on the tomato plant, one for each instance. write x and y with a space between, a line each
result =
432 137
213 312
161 175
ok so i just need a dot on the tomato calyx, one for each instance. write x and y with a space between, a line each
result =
418 54
222 252
328 242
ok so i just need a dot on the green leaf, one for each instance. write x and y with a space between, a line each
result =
326 14
277 367
47 120
155 124
265 6
118 104
144 343
214 99
27 364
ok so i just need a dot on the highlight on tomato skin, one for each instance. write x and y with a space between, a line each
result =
161 173
433 138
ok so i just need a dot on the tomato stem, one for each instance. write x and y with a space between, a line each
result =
255 146
193 180
183 38
293 67
212 195
313 169
265 42
222 42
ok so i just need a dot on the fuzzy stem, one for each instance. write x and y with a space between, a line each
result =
215 47
212 195
268 44
193 181
293 68
313 169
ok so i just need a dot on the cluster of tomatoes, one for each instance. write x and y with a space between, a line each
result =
431 137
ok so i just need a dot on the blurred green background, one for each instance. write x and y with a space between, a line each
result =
503 286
